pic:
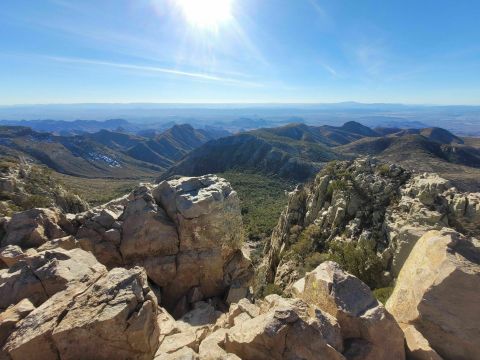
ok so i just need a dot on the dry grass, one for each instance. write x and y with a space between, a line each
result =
98 191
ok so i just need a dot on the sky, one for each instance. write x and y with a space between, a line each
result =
239 51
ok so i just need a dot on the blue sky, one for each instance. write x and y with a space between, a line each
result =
409 51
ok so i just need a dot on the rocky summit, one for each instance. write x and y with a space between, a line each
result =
164 273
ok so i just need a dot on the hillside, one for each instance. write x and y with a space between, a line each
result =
24 186
104 154
294 151
425 150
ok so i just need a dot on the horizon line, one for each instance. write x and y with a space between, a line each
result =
204 103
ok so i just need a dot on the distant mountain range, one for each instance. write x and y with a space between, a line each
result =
104 153
297 151
461 120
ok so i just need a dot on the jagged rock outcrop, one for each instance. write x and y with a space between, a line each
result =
160 274
346 323
436 297
380 208
187 233
24 185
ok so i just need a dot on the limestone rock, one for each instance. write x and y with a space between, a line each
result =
381 207
206 213
206 210
360 315
11 254
285 331
113 318
437 293
10 317
41 276
146 229
34 227
418 348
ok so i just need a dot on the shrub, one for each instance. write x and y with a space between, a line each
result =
383 169
315 259
306 242
358 260
382 294
335 185
35 201
272 289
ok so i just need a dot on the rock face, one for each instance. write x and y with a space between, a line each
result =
437 293
187 233
380 207
160 274
113 318
34 227
44 274
370 331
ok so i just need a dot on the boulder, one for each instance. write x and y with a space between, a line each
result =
369 330
11 316
11 254
206 214
115 318
418 348
206 210
39 277
437 293
34 227
146 229
285 330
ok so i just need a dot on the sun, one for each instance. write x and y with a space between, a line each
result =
206 14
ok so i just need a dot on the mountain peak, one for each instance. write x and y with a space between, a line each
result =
357 128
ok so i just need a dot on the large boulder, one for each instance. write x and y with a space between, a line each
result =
369 330
206 213
34 227
44 274
437 292
115 318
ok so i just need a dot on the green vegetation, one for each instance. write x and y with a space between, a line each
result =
358 260
304 244
262 199
382 294
383 169
271 289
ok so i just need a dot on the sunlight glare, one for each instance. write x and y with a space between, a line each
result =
206 14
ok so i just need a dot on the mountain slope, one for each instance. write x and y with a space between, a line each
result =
295 151
425 150
105 153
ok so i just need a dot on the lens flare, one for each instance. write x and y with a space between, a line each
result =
206 14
